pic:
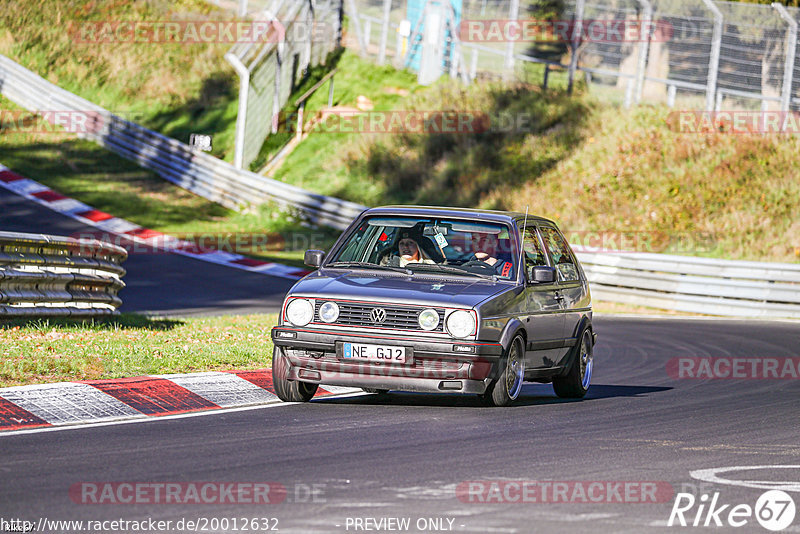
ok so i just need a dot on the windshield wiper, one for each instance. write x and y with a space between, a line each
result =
368 265
447 269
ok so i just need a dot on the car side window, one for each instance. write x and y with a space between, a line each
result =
534 252
560 254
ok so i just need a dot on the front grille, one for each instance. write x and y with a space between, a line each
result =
397 317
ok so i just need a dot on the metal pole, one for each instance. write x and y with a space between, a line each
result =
354 18
513 14
791 49
242 8
387 13
644 49
473 68
575 42
546 75
241 115
300 110
713 63
330 94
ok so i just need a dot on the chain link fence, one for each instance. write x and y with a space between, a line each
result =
705 53
300 34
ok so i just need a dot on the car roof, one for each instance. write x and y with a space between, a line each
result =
467 213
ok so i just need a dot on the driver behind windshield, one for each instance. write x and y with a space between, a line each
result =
484 246
407 250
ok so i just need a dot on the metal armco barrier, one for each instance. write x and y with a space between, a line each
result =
42 275
200 173
695 285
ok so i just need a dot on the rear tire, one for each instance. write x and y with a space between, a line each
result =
577 381
508 385
289 390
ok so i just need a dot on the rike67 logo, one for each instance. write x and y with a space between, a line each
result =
774 510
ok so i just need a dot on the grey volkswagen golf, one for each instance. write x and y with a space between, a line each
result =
435 300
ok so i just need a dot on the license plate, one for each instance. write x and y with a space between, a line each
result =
374 353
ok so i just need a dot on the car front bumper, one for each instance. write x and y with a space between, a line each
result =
437 364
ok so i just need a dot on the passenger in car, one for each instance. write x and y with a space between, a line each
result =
407 250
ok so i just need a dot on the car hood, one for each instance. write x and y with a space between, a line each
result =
398 288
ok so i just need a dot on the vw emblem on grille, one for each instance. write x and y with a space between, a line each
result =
377 315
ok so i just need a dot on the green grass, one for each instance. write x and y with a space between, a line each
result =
176 89
53 350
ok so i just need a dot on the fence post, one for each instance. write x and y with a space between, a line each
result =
356 22
575 42
241 115
546 75
791 49
387 13
513 14
713 62
644 49
473 68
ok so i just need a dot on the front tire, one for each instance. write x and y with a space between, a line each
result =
508 385
577 381
289 390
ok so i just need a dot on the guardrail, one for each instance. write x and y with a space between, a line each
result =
176 162
42 275
695 285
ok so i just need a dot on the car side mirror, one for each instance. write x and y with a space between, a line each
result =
542 274
313 258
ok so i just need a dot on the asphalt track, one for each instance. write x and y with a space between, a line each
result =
406 454
160 284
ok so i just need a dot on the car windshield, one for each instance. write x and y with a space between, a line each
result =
430 245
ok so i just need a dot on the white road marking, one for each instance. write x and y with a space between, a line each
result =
711 475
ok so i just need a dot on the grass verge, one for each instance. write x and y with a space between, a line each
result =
52 350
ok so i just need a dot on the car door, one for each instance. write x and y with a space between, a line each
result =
570 286
545 320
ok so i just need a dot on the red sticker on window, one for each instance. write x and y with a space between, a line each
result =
506 269
383 237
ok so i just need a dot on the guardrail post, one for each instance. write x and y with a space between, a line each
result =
791 49
575 42
713 62
671 92
387 13
513 14
330 93
644 49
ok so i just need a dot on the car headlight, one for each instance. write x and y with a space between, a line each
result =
460 323
329 312
299 312
428 319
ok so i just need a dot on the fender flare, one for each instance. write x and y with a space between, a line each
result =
511 329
